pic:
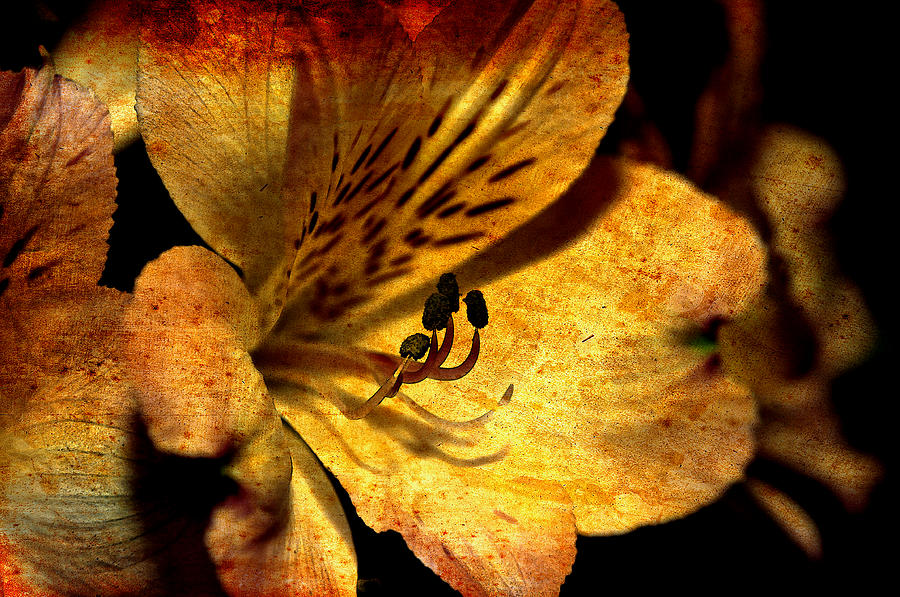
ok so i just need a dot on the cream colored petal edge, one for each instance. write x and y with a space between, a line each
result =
215 82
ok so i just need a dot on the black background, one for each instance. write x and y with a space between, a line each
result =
826 71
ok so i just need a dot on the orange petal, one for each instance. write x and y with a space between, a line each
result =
58 186
79 512
190 324
612 411
213 103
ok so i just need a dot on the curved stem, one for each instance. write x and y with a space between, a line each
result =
417 375
379 396
446 343
454 373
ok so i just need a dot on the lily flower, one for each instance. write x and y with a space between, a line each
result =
338 168
343 179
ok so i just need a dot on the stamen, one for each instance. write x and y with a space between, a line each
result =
478 421
454 373
382 393
437 315
417 375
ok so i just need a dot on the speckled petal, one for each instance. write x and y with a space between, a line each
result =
616 408
283 531
81 509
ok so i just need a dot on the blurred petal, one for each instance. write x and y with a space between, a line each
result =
727 113
613 410
799 181
789 515
213 99
284 532
79 510
100 51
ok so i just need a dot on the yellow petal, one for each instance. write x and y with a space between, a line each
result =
79 510
213 103
612 411
284 531
451 159
403 156
100 51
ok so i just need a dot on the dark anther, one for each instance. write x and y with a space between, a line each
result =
448 286
436 313
476 309
415 346
412 375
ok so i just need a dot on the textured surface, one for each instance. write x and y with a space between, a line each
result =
444 144
617 418
96 493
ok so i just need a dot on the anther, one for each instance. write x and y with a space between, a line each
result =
476 309
414 346
417 375
436 313
449 287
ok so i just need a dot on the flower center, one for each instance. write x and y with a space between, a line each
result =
437 315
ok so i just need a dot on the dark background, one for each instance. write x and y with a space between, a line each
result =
826 70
